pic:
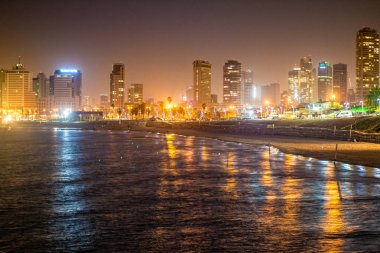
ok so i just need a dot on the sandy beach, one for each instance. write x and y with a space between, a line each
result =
360 153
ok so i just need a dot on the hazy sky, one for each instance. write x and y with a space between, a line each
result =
158 40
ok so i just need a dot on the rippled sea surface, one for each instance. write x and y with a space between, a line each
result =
71 190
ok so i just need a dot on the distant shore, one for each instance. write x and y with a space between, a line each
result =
359 153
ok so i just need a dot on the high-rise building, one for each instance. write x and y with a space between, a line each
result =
307 80
86 102
340 82
232 83
66 86
325 84
117 86
41 87
285 99
247 91
201 82
294 79
17 90
135 93
104 102
214 99
2 85
367 61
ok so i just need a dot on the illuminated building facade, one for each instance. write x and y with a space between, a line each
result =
104 102
2 85
135 93
249 94
232 80
294 79
340 82
201 82
17 90
117 86
367 61
41 87
307 85
325 83
214 99
66 86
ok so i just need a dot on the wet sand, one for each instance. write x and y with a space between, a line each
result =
359 153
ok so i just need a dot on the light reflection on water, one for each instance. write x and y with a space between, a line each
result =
124 191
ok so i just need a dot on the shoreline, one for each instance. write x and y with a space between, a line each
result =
356 153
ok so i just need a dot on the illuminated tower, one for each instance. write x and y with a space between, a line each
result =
66 85
294 85
17 90
232 83
248 88
306 84
201 82
367 61
2 86
41 87
135 93
117 86
325 85
340 82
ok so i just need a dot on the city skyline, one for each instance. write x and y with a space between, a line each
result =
152 41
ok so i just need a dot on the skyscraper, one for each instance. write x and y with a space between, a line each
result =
232 83
66 86
294 84
17 91
117 86
104 103
135 93
2 86
214 99
325 85
41 87
248 92
340 82
367 61
307 80
201 82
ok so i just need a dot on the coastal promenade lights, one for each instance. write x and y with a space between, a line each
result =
66 113
266 108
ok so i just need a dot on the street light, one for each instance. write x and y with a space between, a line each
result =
361 102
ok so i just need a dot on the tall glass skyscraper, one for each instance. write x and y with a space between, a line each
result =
325 85
340 82
117 86
232 83
201 82
367 61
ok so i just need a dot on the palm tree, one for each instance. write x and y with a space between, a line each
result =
373 96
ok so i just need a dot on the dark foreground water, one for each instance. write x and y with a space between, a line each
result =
70 190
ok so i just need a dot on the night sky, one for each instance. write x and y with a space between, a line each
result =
158 40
